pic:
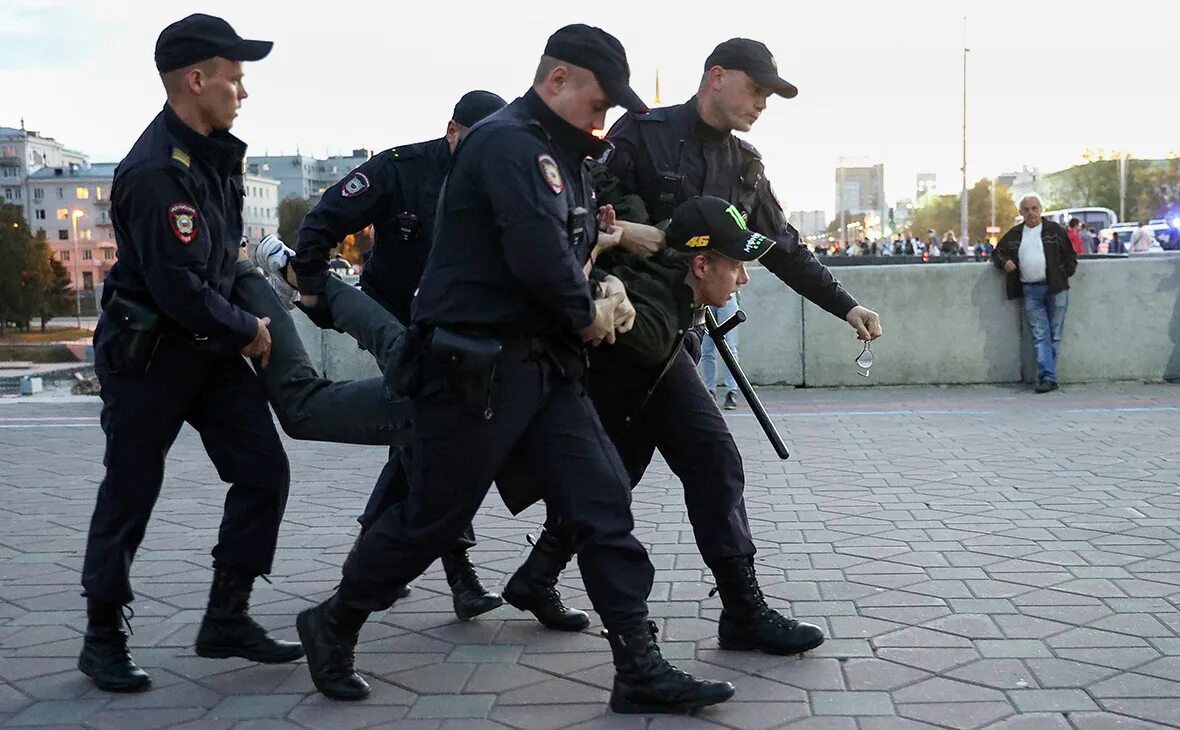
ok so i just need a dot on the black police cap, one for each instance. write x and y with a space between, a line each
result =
743 54
200 37
475 105
712 224
600 52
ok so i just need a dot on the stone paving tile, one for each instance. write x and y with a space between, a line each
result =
1000 588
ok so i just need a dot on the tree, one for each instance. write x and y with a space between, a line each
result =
23 271
942 212
59 295
356 245
834 231
1159 191
1095 183
291 212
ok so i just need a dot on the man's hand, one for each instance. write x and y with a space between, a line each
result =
1009 266
640 239
624 310
608 238
866 322
259 349
603 327
606 217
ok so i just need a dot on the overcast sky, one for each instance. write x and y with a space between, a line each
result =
878 81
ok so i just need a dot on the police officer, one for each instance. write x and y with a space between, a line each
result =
168 350
667 157
502 310
396 192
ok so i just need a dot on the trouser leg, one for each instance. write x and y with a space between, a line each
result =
236 428
141 417
308 406
691 434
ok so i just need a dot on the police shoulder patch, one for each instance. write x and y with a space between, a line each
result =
182 157
355 185
551 173
182 217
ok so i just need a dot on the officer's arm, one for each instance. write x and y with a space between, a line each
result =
793 262
345 208
173 242
532 219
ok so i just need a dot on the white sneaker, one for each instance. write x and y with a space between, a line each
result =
271 255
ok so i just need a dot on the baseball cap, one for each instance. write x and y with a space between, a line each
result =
475 105
712 224
600 52
743 54
199 37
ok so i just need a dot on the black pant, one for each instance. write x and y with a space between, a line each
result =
544 422
218 395
681 419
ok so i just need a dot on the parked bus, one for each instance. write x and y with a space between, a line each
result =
1096 218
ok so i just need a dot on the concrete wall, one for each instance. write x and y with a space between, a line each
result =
948 323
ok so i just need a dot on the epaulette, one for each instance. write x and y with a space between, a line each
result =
409 152
748 149
181 159
655 115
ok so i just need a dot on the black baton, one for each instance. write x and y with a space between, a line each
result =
717 333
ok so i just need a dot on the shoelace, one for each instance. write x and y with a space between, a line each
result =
127 609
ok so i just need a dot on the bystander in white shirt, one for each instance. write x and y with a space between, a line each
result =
1032 255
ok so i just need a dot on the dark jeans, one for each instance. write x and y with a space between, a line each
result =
314 408
309 406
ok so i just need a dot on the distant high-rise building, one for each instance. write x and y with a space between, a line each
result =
809 222
927 187
860 189
303 176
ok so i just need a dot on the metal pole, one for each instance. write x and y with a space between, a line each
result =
1122 187
993 202
840 201
77 271
963 194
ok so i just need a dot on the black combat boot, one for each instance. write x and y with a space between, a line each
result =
645 683
104 656
471 598
227 629
748 623
329 633
533 587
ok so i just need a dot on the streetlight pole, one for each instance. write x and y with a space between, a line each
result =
963 194
841 202
74 216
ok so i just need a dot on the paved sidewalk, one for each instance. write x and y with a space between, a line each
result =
980 557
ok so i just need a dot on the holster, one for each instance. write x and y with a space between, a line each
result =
469 365
140 326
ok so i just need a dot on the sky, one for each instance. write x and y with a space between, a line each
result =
879 82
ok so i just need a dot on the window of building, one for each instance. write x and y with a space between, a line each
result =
38 194
63 234
87 254
8 194
63 213
108 254
87 280
40 214
61 193
10 172
98 192
82 193
84 235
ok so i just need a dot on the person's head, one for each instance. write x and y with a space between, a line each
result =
710 235
582 74
472 107
1074 223
1031 209
200 63
739 77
